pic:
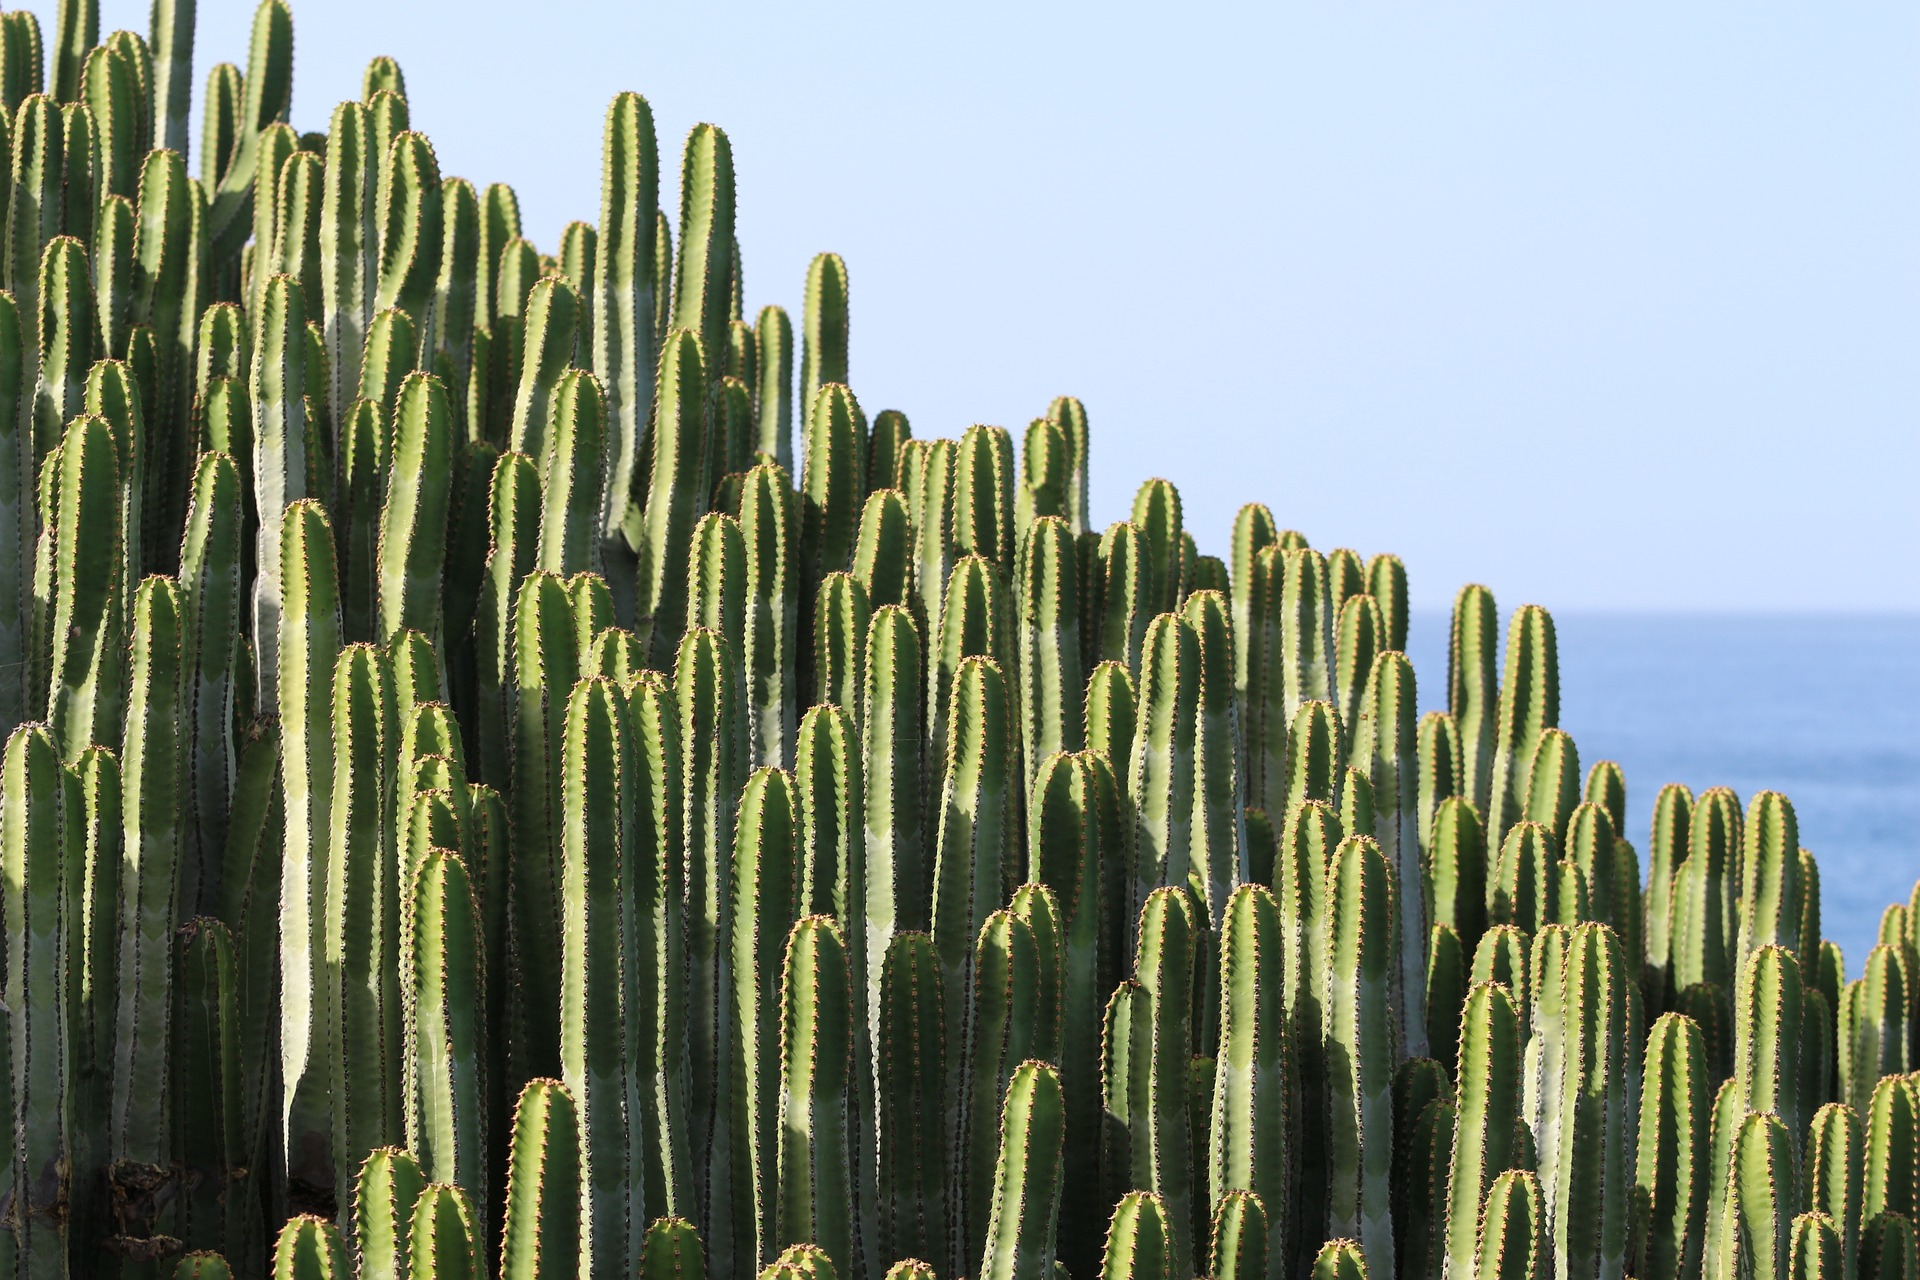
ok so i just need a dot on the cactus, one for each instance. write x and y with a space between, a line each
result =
762 894
83 701
823 347
442 1239
909 1045
1889 1250
972 862
1529 706
1359 1035
1815 1248
310 1248
1010 1019
814 1195
1513 1229
385 1192
1253 1085
1670 1207
1139 1240
1587 1096
1161 775
1026 1179
1833 1173
448 1111
840 619
1341 1259
542 1231
1770 876
1888 1175
40 862
1129 887
1052 686
1703 926
597 799
673 495
1769 1003
1766 1193
830 487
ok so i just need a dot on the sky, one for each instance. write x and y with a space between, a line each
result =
1608 306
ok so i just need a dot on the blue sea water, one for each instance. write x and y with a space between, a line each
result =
1825 709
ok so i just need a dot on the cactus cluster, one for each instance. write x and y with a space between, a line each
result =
478 799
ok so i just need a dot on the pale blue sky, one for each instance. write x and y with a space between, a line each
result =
1605 305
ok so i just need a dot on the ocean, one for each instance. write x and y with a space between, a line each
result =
1824 708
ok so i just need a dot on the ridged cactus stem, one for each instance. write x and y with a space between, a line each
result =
1388 757
909 1051
1005 1020
279 457
40 864
814 1196
1160 1138
309 644
1833 1170
1253 1084
1529 706
674 501
570 484
1583 1143
413 522
1358 1033
1513 1230
1052 684
1489 1104
540 1240
1218 859
1670 1173
596 800
702 274
1026 1180
1139 1240
446 1031
976 835
1161 775
1767 1193
762 896
1074 832
86 682
898 884
386 1189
